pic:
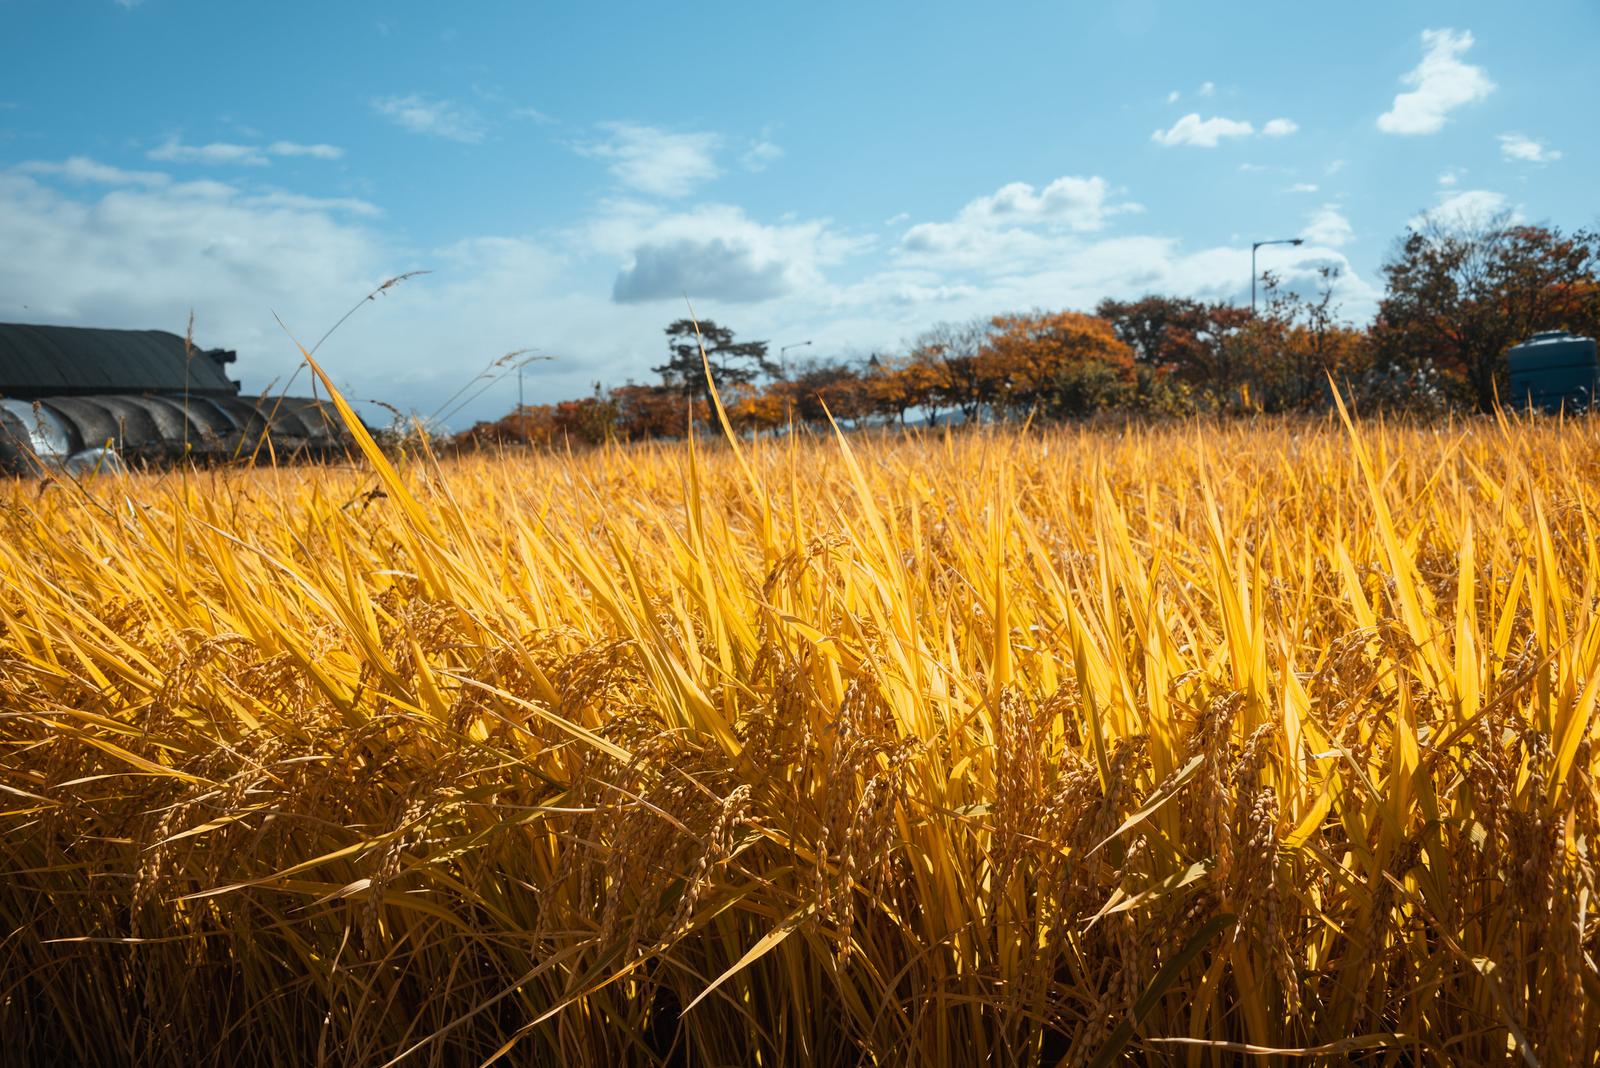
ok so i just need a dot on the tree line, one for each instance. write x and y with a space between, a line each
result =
1456 298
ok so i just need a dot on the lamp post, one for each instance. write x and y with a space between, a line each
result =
522 413
783 364
1255 245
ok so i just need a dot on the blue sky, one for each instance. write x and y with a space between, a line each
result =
842 173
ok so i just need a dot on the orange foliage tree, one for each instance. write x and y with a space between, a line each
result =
1056 363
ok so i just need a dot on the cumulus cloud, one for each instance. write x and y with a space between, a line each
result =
173 150
1201 133
1515 146
1279 128
1329 227
714 252
686 267
109 250
1469 208
432 117
1016 221
1441 83
143 255
657 162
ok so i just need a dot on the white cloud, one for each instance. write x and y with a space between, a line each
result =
759 154
173 150
533 114
1450 177
1328 227
1303 187
118 252
435 118
1201 133
222 153
83 170
712 252
1337 165
1172 97
1279 128
143 257
1016 216
292 148
299 202
1441 83
1208 88
1515 146
1468 208
654 161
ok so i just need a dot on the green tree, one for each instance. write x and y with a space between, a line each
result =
733 363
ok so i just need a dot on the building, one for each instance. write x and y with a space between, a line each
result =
147 395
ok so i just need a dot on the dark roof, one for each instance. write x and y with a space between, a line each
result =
55 361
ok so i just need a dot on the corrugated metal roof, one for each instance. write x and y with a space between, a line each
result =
54 361
166 429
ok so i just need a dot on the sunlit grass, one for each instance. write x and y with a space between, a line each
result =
1002 747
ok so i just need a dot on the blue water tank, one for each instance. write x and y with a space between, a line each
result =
1554 370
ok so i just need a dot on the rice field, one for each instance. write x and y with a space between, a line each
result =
1017 747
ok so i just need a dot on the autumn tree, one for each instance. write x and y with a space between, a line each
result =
1461 293
654 411
1288 353
954 350
733 363
1193 342
1057 363
819 388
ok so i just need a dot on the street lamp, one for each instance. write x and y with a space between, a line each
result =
1253 247
783 364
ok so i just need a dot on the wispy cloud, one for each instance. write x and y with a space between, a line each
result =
759 154
1279 128
217 153
228 154
1303 187
1208 88
82 170
293 148
1441 84
1515 146
435 118
657 162
533 115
